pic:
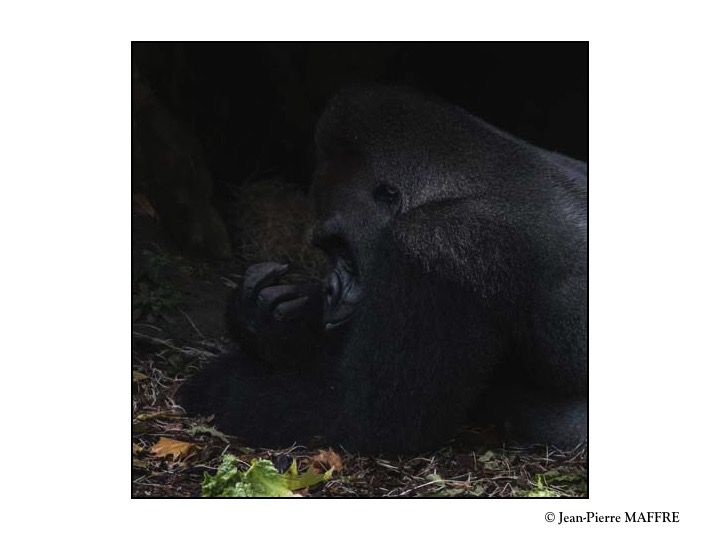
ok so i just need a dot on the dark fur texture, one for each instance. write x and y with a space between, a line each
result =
474 283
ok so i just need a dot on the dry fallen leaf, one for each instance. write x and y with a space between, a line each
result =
136 448
138 376
326 459
172 447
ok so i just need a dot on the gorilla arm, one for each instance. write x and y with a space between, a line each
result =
441 294
274 388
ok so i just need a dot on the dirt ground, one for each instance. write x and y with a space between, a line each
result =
178 326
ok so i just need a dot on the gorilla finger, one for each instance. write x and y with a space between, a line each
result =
261 275
269 296
287 311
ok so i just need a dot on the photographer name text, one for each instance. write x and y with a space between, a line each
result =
626 517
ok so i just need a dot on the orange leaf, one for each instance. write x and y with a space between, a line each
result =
326 459
171 447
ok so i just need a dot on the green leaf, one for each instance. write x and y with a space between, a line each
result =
265 481
540 490
262 479
307 479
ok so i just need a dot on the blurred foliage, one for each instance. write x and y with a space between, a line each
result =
152 296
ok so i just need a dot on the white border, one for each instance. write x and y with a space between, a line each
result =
65 177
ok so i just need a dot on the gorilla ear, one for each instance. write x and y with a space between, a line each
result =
387 194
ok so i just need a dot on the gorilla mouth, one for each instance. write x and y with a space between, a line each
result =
342 289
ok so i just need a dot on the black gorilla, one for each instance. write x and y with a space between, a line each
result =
458 289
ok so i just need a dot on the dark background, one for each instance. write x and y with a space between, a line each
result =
253 106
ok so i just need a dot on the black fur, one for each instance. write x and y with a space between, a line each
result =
468 251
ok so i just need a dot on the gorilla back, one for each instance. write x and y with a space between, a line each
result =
458 288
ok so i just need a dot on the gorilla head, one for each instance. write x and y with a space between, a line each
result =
458 282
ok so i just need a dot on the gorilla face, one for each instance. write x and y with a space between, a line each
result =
352 210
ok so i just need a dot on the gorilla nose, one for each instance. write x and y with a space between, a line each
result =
332 289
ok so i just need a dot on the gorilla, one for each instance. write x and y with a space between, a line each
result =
457 291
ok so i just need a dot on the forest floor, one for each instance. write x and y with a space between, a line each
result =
178 327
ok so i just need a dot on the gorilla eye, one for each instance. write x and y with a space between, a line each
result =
387 194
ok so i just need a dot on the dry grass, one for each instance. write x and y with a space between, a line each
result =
273 223
462 470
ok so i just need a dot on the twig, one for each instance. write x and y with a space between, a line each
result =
199 333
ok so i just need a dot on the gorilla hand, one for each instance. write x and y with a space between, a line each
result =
262 307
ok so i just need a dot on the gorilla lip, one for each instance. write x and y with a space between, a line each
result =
342 292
